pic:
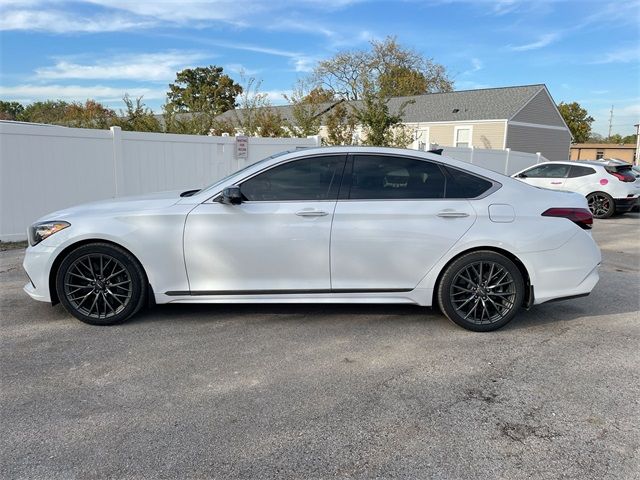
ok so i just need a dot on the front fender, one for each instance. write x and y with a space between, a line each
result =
153 237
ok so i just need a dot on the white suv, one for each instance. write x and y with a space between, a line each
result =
609 188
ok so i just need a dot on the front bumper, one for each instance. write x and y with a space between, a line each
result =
37 263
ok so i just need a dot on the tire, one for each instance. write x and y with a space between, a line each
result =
601 204
467 298
101 284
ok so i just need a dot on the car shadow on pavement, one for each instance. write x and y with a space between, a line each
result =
596 305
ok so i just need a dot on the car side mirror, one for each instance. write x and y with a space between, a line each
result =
232 195
522 175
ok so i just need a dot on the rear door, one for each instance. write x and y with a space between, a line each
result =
393 222
581 179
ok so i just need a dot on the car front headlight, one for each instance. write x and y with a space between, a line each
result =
39 231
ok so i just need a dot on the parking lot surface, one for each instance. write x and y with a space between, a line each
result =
298 391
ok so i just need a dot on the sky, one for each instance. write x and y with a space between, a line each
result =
586 51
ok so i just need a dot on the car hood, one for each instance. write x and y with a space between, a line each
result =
112 206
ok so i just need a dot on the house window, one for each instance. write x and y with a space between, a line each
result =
462 137
599 154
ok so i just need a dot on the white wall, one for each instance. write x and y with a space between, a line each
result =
45 168
505 161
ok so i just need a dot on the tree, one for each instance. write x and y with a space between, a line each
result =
255 116
49 111
373 76
204 90
380 127
307 108
10 110
90 114
385 67
577 119
595 138
341 126
137 117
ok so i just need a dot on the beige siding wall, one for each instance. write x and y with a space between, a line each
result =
441 134
484 134
488 135
540 110
552 144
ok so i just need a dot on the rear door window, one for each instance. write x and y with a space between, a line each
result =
377 177
580 171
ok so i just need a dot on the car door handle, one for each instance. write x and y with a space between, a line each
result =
311 213
556 183
451 214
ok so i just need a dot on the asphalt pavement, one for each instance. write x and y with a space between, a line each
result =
301 392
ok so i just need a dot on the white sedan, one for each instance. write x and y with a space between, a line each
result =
326 225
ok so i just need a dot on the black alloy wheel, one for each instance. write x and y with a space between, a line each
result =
481 291
101 284
601 205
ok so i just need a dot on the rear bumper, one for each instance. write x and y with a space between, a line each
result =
568 271
626 204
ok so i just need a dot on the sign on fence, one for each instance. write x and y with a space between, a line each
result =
242 147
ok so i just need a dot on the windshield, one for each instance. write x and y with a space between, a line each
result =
264 160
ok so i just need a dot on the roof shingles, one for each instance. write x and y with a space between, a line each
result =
462 105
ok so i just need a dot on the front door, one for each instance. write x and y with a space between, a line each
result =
551 176
397 222
276 240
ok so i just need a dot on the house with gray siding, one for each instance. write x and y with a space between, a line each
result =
521 118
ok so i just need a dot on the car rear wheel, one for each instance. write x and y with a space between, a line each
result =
601 205
101 284
481 291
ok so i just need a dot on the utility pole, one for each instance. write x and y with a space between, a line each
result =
636 161
610 121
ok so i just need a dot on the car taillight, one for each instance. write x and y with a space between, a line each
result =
580 216
622 177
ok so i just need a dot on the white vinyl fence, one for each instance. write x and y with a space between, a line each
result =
505 161
45 168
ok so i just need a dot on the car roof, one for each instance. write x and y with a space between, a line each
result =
590 163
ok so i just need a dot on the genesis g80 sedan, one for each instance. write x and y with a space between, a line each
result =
323 225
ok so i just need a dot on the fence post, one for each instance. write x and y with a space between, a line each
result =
506 163
317 139
118 173
538 154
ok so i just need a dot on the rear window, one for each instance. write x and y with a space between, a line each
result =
465 185
624 170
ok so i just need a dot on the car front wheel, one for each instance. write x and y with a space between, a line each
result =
101 284
481 291
601 205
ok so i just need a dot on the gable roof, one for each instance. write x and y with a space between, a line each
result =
462 105
482 104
